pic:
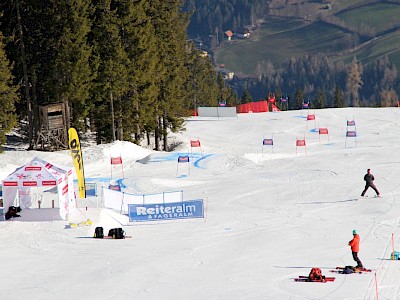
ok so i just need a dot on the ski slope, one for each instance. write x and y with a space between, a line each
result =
271 215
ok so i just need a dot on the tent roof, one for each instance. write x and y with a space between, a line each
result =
37 172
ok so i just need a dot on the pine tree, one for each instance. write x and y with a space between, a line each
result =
14 25
225 93
298 98
201 84
8 96
111 85
338 100
388 98
71 71
246 97
140 43
320 100
170 24
354 83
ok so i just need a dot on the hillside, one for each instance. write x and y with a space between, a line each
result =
367 29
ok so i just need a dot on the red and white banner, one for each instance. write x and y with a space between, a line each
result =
32 168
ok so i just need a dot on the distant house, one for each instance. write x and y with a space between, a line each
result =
229 34
203 54
227 75
243 33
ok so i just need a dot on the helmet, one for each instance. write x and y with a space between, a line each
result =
354 231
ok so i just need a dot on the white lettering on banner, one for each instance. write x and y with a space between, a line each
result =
170 216
171 210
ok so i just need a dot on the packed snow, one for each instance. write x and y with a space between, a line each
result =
272 214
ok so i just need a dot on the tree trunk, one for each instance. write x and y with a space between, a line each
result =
36 121
66 120
157 137
112 117
26 79
148 137
120 133
164 127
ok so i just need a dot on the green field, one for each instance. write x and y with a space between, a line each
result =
279 39
378 16
278 44
385 45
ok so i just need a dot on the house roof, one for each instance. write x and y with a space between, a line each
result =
229 33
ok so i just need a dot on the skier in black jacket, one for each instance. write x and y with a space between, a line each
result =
369 182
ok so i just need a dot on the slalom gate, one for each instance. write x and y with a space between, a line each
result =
351 131
195 144
183 159
323 131
311 117
267 142
301 143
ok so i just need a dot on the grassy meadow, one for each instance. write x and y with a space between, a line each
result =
279 39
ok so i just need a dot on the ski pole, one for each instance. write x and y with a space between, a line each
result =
392 256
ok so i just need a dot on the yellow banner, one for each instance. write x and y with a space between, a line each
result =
76 153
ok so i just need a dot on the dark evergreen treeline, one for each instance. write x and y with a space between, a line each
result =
216 16
324 83
8 95
124 67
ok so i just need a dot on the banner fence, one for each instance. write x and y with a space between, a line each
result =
120 200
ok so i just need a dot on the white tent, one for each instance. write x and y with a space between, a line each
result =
39 173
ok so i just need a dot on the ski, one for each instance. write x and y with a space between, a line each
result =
341 272
125 237
111 238
306 279
355 269
376 196
326 278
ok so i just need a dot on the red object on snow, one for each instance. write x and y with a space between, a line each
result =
275 108
300 143
310 117
195 143
323 131
253 107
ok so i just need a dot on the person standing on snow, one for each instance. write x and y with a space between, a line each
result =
355 246
369 182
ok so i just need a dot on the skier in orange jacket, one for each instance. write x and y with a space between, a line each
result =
355 247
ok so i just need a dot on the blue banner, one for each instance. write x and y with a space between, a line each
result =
166 211
91 189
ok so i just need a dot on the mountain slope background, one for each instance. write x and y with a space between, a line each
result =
337 35
367 30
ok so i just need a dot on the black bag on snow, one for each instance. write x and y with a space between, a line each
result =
12 212
116 233
98 233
